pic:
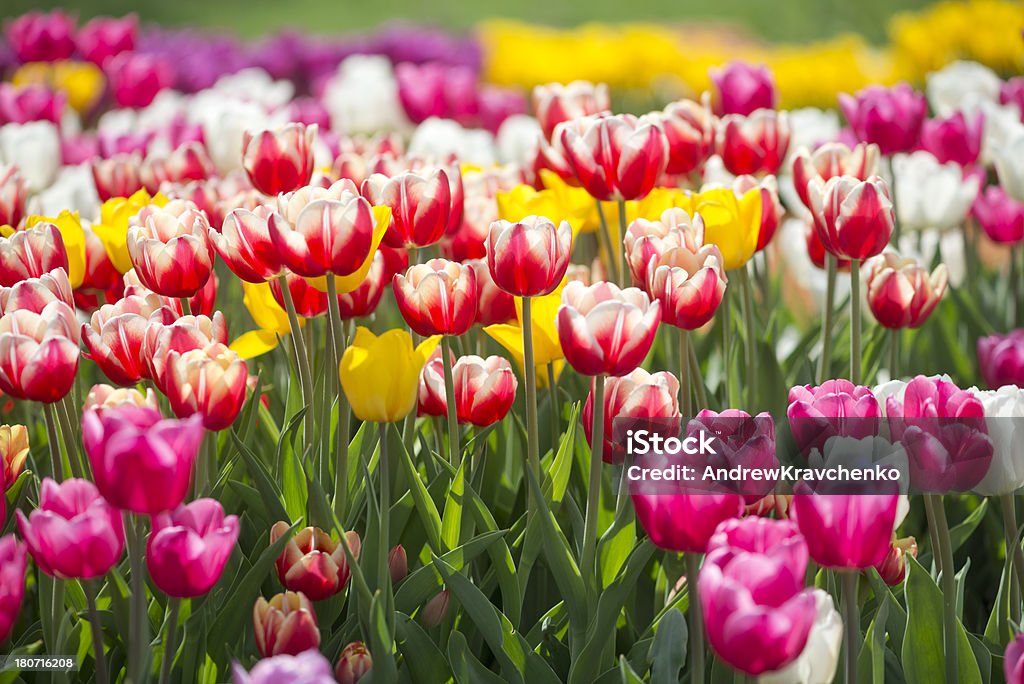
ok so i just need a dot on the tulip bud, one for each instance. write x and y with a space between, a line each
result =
210 382
754 144
398 564
312 562
13 451
437 298
12 583
893 567
743 88
435 610
354 662
285 625
888 117
616 157
13 196
279 160
528 258
900 292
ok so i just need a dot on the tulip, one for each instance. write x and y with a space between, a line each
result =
1009 163
888 117
244 244
72 234
690 133
528 258
137 78
484 389
846 531
271 318
312 563
554 103
954 139
34 148
285 625
930 194
900 292
689 285
493 305
739 440
435 610
279 160
309 667
31 253
189 546
114 336
757 612
999 215
34 294
141 461
854 219
104 37
943 430
30 103
1004 411
893 567
184 334
421 206
1013 661
961 86
42 37
354 662
820 657
117 176
398 564
186 163
309 301
39 353
380 375
74 533
771 206
731 223
645 239
210 382
640 396
1001 359
437 298
362 301
12 583
543 331
754 144
616 157
831 160
102 397
115 216
170 248
835 408
13 195
13 451
742 88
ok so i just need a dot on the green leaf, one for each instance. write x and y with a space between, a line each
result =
629 675
381 643
872 655
265 484
466 668
668 652
962 532
561 465
425 581
424 503
424 661
451 522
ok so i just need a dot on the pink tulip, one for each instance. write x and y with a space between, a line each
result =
690 133
209 382
739 440
184 334
74 533
141 461
831 160
835 408
1013 661
22 104
900 292
31 253
189 546
437 298
999 215
308 667
484 389
888 117
437 90
170 248
39 353
115 334
942 428
528 258
854 219
13 196
279 160
641 396
554 103
742 88
954 139
42 37
846 531
34 294
616 157
754 144
12 583
137 78
104 37
604 330
184 164
1012 92
757 613
1001 358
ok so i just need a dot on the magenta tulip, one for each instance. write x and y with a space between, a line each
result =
954 139
835 408
846 531
1001 358
999 215
1013 661
741 88
12 583
188 548
888 117
739 440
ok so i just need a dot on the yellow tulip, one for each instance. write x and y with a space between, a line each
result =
268 315
546 347
525 200
70 226
731 223
382 217
112 229
83 82
13 452
381 375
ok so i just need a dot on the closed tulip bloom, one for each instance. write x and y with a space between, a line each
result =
893 567
604 330
854 219
117 176
13 559
73 533
141 461
354 662
684 521
104 37
189 546
757 613
554 103
1004 420
39 353
398 563
739 440
645 239
115 334
754 144
13 195
421 205
930 194
900 292
210 382
485 389
363 300
42 36
616 157
742 88
688 286
170 248
380 375
183 334
888 117
285 625
435 610
834 408
312 563
690 133
493 305
640 395
437 298
820 657
1001 359
136 78
731 223
943 430
244 243
528 258
954 138
279 160
846 531
13 451
31 253
830 160
1013 661
999 215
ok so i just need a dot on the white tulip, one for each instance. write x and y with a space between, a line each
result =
1004 418
810 127
362 97
438 139
517 140
224 121
930 194
817 663
257 85
961 87
74 190
1009 161
34 148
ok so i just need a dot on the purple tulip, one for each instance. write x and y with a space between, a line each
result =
1001 358
739 440
74 533
757 612
999 215
742 88
189 547
954 139
835 408
889 117
308 667
12 583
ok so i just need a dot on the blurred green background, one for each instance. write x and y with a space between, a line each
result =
777 20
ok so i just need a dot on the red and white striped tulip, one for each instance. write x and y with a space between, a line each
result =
690 132
616 157
900 292
13 196
34 294
117 176
210 381
689 285
170 248
646 239
244 243
854 218
554 103
485 389
184 334
281 159
30 253
528 258
114 336
39 353
831 160
493 305
754 144
638 394
421 205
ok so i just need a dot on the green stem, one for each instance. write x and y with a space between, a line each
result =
202 466
138 618
619 248
70 436
1014 555
696 616
727 348
301 361
697 379
684 375
855 322
341 441
556 409
53 442
747 305
851 623
593 512
99 656
947 579
606 242
1015 284
530 371
170 640
824 367
383 546
454 449
894 354
186 306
